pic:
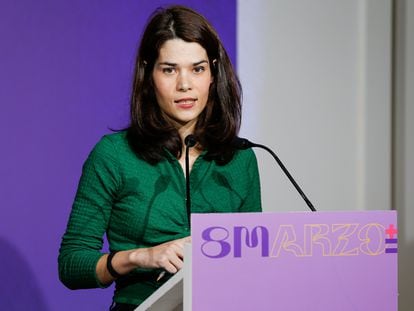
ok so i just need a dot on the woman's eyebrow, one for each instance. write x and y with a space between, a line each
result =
200 62
175 65
168 64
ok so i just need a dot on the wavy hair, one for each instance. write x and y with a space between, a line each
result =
149 132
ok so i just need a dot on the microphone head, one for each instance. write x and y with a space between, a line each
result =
242 143
190 141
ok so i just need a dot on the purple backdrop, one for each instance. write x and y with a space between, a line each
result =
65 73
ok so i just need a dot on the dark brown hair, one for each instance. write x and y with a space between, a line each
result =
219 123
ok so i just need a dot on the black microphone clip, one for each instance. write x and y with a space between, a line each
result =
242 143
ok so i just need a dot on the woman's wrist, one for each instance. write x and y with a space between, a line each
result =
125 261
115 265
110 267
135 258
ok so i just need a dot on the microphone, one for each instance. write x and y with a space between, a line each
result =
189 141
243 143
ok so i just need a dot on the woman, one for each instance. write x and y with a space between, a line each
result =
133 187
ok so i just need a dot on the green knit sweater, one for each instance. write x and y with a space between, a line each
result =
141 205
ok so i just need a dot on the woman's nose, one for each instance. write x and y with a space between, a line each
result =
184 82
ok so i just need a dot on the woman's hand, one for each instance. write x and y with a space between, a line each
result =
168 256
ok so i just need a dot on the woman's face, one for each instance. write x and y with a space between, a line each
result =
182 79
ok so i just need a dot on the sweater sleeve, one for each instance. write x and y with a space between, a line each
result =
252 202
82 242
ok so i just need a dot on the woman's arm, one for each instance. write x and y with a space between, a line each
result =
82 242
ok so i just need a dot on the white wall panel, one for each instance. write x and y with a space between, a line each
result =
316 80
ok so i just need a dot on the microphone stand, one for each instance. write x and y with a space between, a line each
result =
189 142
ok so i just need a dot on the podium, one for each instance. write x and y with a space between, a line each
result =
286 261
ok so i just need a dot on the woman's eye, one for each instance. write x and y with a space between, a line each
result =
168 70
199 69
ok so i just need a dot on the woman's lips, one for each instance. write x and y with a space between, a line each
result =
185 103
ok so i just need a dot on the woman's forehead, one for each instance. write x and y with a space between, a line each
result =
180 52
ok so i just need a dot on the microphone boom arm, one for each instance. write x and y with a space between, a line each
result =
304 197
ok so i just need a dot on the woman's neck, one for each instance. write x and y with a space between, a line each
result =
194 152
186 130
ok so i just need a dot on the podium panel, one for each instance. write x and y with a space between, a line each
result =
295 261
